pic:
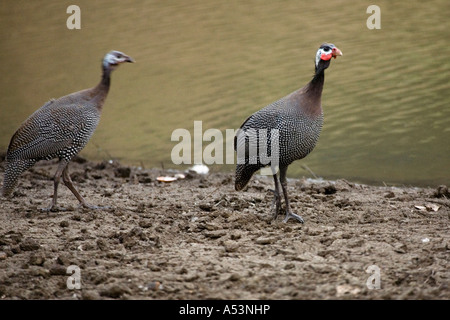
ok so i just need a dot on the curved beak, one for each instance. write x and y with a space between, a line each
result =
336 52
129 59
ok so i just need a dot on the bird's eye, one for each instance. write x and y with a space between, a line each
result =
326 49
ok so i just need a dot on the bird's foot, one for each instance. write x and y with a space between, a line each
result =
292 215
93 207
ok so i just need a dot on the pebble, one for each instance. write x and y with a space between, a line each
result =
265 240
122 172
63 260
154 285
64 224
115 291
36 259
215 234
57 270
29 244
231 246
102 244
235 277
90 295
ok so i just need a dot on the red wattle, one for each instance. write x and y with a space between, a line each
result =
326 56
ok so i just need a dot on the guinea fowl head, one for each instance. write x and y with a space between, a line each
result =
324 55
113 58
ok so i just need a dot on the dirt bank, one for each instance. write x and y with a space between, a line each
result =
197 238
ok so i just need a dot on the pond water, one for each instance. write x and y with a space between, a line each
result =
386 100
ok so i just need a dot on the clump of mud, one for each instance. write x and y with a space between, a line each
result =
197 238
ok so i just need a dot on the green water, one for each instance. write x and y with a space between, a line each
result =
386 100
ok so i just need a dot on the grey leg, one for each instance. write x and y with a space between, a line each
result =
277 198
61 167
289 213
68 182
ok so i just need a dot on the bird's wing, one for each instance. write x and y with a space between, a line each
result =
45 131
266 118
238 134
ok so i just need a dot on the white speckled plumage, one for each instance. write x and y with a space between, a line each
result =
298 119
59 129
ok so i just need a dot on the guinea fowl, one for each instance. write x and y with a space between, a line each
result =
290 128
60 129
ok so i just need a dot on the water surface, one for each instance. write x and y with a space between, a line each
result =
386 101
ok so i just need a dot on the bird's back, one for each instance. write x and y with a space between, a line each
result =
60 128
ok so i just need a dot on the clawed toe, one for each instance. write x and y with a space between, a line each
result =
93 207
292 215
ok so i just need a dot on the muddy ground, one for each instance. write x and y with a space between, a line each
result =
197 238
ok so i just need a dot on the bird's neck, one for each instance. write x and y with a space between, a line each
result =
312 94
101 90
106 77
315 86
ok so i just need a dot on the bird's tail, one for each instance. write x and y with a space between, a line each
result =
13 170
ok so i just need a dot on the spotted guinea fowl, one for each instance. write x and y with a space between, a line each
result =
282 132
60 129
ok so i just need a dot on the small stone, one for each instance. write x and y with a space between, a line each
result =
3 255
389 195
329 189
400 247
442 192
15 249
346 289
64 224
289 266
115 291
90 295
102 245
264 240
29 244
231 246
191 277
39 272
145 223
206 207
57 270
122 172
63 260
182 270
36 259
215 234
234 277
154 285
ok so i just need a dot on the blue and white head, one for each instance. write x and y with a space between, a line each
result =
113 58
324 55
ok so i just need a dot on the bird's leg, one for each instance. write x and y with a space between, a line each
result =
289 213
61 167
68 182
277 198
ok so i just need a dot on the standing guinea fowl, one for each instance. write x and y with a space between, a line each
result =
296 120
60 129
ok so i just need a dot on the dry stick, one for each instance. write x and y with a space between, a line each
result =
304 166
209 194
